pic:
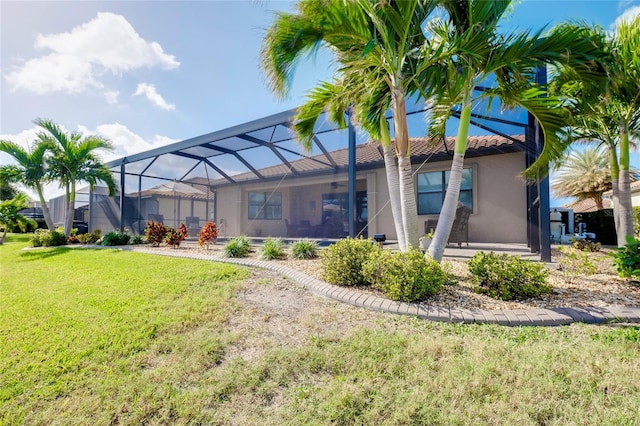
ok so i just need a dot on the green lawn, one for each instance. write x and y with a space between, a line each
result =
105 336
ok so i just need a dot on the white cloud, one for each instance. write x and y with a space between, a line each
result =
626 16
79 57
54 73
149 91
125 142
111 96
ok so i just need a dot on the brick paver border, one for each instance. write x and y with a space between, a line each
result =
351 296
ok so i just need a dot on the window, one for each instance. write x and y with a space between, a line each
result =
432 187
265 205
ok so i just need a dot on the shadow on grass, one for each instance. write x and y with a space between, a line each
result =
43 253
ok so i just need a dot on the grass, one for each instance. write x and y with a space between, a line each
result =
103 336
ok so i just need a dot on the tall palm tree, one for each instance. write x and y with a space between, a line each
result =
608 111
74 160
625 99
31 170
479 54
584 174
380 48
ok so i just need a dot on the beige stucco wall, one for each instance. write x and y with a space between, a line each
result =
499 201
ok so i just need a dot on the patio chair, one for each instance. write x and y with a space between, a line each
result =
291 229
460 229
193 223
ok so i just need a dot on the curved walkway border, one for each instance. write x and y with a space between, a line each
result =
513 317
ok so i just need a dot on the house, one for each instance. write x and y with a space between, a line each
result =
255 179
314 201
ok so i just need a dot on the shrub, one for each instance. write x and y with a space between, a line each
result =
576 262
174 237
91 238
116 238
585 245
272 248
38 236
342 262
626 260
208 234
155 232
136 240
508 277
43 237
237 247
304 249
407 277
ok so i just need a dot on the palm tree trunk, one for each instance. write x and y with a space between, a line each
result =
405 177
408 200
4 235
391 169
615 185
448 212
71 204
598 200
45 210
624 188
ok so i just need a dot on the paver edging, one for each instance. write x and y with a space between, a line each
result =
518 317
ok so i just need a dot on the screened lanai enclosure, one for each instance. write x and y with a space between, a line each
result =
255 179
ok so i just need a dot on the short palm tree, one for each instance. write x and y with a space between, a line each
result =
74 160
8 175
9 215
31 170
380 49
479 54
584 174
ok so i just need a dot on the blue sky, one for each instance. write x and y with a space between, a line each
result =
148 73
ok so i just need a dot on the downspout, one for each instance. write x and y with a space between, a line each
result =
122 170
352 177
140 219
90 210
543 184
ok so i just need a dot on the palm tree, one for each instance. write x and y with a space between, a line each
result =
584 174
479 54
8 175
31 170
9 215
608 111
74 160
380 48
625 90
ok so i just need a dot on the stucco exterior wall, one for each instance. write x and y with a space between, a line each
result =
499 201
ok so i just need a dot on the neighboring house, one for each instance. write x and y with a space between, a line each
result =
314 201
635 195
588 205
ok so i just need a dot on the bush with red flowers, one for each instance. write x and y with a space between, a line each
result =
208 234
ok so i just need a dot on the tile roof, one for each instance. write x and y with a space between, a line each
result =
635 186
587 205
369 155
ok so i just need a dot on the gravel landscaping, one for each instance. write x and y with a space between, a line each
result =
572 287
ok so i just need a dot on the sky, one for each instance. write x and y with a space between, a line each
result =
148 73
